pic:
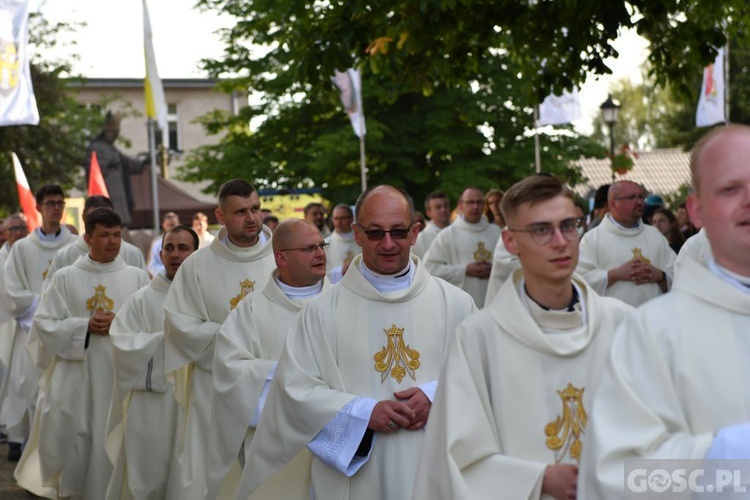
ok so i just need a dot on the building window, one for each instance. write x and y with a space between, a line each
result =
173 128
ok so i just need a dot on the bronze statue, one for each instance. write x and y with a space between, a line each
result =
116 167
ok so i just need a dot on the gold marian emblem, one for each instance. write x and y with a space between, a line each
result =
564 433
44 274
482 254
348 259
100 302
246 287
638 255
396 357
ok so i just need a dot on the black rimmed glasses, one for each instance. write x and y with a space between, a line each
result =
541 233
309 249
398 233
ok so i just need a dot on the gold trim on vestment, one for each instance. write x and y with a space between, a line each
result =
396 357
246 287
564 433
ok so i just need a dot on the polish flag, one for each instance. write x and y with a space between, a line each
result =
96 180
28 203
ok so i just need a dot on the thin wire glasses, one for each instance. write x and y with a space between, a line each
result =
541 233
309 249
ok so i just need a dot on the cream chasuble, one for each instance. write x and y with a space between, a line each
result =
143 428
608 246
341 250
678 372
209 284
351 343
503 265
247 348
25 270
67 256
67 439
425 239
460 244
696 248
513 399
7 329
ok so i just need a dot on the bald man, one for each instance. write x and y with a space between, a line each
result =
622 257
352 392
462 253
251 339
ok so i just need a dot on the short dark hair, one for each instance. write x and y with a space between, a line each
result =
310 206
363 197
182 227
533 189
344 206
235 187
435 195
48 190
601 196
97 201
102 216
270 218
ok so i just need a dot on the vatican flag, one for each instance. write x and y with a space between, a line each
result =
17 102
156 104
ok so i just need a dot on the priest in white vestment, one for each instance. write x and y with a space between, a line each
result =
510 414
143 428
696 248
209 284
25 270
676 382
438 209
462 253
250 342
75 353
341 245
503 265
622 257
352 392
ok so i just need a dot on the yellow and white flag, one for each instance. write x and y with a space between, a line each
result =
711 103
156 104
17 102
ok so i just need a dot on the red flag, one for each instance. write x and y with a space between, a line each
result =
28 203
96 180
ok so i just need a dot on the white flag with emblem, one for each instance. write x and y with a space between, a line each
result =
349 84
17 102
559 110
711 102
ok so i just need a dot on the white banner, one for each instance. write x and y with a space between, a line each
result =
559 110
156 103
350 88
711 103
17 103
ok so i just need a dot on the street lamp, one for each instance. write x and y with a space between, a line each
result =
609 109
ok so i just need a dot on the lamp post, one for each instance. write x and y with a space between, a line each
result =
609 109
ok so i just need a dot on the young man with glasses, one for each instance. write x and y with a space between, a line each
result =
623 257
461 254
25 270
353 388
512 421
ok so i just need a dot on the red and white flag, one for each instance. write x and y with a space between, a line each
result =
96 179
711 103
25 196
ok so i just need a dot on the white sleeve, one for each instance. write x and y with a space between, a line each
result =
731 443
263 395
429 389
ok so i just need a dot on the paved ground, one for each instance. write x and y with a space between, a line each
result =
8 488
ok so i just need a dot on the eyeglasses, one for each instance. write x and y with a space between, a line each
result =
378 234
542 232
54 204
308 250
632 197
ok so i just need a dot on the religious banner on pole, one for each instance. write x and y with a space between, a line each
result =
349 84
96 179
560 110
711 102
156 103
25 196
17 102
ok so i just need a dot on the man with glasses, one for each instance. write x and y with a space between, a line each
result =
25 270
251 339
210 283
623 257
341 245
352 392
523 371
462 253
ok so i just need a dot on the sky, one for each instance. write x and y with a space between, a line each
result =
111 44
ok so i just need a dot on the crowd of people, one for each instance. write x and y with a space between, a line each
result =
515 348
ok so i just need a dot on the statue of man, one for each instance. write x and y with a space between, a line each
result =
116 167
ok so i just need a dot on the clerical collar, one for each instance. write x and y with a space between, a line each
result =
262 239
555 320
634 228
48 237
300 292
388 282
736 280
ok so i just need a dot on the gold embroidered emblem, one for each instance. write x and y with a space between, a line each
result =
348 259
99 302
482 254
638 255
564 433
44 274
246 287
396 357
